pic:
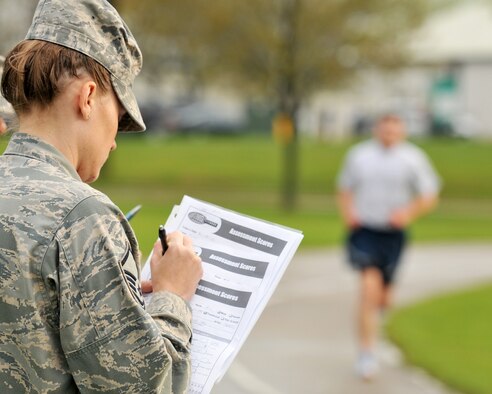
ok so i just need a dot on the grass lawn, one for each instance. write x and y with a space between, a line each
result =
450 336
244 173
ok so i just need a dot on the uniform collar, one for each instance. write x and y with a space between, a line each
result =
27 145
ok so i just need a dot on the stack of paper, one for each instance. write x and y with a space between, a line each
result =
243 261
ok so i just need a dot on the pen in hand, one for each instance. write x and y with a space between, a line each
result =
163 238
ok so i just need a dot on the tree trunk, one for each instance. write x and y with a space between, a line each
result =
288 100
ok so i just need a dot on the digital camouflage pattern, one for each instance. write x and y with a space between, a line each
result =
71 317
95 28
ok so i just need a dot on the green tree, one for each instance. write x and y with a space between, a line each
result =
283 50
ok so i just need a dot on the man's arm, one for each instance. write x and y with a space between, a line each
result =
345 202
418 207
426 184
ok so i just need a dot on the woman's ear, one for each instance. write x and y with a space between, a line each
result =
87 99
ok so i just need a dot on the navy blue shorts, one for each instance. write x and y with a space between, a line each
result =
376 248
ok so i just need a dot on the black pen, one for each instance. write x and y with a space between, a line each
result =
130 214
163 238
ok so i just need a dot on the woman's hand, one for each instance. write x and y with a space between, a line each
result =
179 270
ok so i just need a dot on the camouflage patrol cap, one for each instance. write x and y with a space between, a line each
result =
94 28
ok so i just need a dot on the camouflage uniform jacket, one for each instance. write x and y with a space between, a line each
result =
71 318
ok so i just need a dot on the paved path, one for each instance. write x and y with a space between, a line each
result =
304 341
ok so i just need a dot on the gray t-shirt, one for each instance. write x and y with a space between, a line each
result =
385 179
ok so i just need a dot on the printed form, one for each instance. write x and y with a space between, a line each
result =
243 261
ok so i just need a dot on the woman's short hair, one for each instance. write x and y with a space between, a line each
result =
36 72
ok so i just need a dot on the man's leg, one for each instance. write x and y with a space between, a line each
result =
372 291
386 297
371 298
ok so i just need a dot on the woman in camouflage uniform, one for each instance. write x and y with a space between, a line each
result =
72 317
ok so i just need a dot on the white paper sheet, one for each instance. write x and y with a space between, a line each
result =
243 261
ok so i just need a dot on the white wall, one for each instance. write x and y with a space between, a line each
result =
475 84
332 115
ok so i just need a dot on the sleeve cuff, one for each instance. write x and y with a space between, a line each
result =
165 304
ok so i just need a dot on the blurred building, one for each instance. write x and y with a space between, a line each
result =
15 18
446 90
